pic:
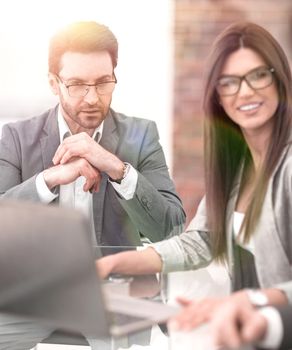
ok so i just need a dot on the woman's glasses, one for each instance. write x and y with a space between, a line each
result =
258 78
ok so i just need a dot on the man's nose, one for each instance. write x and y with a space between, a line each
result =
92 96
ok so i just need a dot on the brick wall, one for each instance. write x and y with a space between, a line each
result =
197 22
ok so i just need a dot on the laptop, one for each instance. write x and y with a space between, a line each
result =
47 273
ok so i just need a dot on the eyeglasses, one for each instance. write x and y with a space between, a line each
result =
82 89
258 78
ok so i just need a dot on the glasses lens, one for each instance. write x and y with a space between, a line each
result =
78 90
105 88
260 78
227 86
82 90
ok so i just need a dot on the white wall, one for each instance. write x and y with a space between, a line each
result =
144 72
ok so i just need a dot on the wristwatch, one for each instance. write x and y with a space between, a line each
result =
257 298
126 169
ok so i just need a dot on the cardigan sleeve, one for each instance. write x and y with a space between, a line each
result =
190 250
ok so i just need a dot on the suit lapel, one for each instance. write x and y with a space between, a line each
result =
110 137
50 140
109 141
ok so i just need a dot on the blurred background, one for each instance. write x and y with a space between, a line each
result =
162 48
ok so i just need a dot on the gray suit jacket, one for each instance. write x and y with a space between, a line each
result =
27 148
272 236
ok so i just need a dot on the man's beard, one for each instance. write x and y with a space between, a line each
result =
74 117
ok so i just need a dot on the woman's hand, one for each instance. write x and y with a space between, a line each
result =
237 306
194 313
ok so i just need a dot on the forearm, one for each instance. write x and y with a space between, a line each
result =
132 262
24 191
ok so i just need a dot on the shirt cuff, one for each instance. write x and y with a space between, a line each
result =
46 196
128 185
274 334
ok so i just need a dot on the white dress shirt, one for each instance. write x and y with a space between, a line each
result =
72 195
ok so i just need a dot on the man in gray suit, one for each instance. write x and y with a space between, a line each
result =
83 154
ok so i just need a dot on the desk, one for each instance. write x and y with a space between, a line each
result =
210 281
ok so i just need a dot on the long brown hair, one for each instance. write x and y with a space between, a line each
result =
224 145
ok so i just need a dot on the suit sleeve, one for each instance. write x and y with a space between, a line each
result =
286 316
12 184
155 209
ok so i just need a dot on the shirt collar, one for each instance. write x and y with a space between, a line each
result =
64 128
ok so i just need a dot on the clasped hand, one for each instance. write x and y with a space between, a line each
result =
80 155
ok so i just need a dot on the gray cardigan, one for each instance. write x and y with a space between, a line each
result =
272 236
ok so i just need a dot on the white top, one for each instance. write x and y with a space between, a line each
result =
237 222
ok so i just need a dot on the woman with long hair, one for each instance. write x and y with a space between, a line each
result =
246 215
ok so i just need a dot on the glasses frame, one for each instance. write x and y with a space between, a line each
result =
67 86
245 78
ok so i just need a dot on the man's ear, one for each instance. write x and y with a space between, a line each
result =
53 84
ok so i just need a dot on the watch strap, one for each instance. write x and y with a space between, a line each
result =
126 169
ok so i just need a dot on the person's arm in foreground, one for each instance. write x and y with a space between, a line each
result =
141 262
196 312
234 324
229 316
